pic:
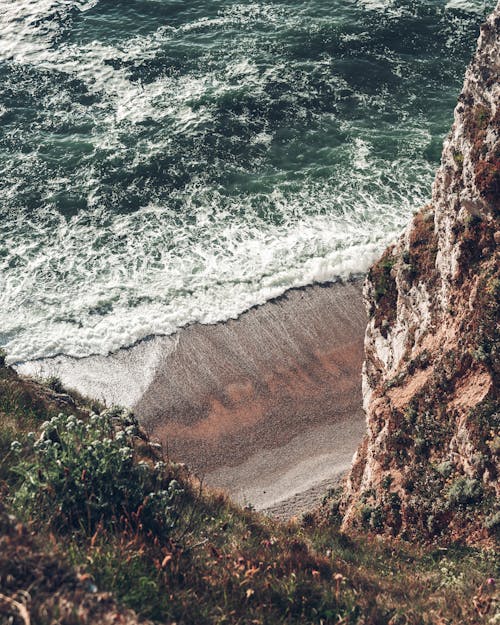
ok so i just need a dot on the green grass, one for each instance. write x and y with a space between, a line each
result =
199 559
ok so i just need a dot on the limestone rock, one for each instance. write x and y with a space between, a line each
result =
430 461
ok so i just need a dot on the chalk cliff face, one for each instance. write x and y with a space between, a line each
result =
429 463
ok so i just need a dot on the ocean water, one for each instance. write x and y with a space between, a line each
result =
166 162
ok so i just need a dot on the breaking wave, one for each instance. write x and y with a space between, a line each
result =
163 165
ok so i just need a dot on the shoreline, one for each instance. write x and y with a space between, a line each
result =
265 406
353 279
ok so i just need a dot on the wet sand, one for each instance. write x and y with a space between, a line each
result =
266 406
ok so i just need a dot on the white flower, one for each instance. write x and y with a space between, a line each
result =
126 452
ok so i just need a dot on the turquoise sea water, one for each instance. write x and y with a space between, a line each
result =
165 162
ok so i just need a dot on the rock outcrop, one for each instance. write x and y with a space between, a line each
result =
429 463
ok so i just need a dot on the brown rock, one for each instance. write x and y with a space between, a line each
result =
430 383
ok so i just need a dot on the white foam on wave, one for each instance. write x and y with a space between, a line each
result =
130 101
29 27
152 276
470 6
96 282
237 15
396 9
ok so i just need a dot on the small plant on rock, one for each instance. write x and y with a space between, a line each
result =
55 384
465 491
492 523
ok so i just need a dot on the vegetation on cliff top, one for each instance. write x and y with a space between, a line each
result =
90 507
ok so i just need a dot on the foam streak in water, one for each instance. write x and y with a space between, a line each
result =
163 166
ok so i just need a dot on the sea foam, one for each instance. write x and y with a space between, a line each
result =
161 168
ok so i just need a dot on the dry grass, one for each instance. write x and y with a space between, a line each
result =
223 564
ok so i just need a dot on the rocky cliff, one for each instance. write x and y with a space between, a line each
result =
429 463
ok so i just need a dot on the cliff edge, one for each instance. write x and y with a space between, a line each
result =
429 462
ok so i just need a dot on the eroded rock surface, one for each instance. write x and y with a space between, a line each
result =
429 463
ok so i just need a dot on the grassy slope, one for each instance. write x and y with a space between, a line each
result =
220 564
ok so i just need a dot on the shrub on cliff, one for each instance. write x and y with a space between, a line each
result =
465 491
82 473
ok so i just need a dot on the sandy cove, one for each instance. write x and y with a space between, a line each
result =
266 406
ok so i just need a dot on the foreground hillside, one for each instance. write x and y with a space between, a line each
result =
95 526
